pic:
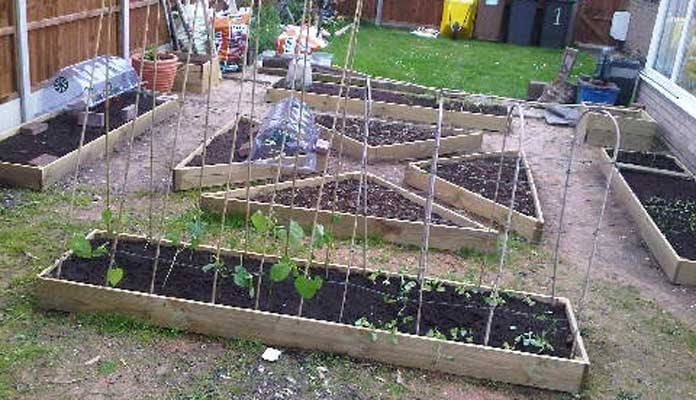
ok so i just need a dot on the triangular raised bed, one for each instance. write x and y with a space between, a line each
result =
187 174
455 185
415 145
450 230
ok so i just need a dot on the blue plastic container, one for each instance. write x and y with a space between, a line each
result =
599 94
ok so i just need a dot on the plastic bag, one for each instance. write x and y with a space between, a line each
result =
284 128
70 87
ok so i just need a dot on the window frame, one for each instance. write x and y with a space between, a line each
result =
668 86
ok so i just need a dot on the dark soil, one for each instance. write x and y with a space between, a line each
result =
651 160
383 132
63 133
442 310
671 202
480 176
381 201
403 98
218 151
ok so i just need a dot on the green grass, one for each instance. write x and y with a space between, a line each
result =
469 65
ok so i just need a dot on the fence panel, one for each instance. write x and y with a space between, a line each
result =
63 32
413 12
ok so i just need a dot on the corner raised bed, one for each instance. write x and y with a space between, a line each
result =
187 173
394 213
323 96
38 158
184 303
398 140
663 205
468 182
638 129
649 162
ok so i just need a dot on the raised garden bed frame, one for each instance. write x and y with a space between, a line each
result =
188 177
444 237
470 360
638 128
685 171
460 141
679 270
40 177
328 103
531 228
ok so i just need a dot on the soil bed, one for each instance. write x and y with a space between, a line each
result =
650 160
387 96
384 132
381 201
218 151
63 133
671 203
481 174
380 300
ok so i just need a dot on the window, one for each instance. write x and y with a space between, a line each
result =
672 58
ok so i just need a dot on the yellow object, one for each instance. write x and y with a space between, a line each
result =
458 14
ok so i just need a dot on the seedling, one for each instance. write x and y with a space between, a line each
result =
531 339
436 334
308 286
244 279
114 276
281 270
494 300
82 247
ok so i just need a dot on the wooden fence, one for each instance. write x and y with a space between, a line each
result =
63 32
398 12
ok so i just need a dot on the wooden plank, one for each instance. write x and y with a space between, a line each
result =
40 177
679 270
638 129
469 234
403 112
458 140
526 226
297 332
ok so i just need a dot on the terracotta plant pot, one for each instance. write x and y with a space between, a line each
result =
167 64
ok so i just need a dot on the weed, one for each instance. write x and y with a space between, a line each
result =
107 367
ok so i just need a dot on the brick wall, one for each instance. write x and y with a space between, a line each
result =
643 14
676 125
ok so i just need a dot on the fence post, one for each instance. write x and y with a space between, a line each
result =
124 28
22 49
378 14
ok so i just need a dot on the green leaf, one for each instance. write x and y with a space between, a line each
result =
281 270
107 218
100 251
335 218
114 276
212 266
80 246
296 232
174 237
195 230
261 222
308 287
320 237
242 277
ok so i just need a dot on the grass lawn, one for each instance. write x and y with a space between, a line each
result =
474 66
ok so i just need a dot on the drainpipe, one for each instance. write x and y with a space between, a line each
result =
22 49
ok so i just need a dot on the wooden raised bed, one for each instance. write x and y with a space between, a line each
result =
199 71
529 227
188 177
472 360
677 168
328 103
469 234
40 177
454 140
638 129
679 270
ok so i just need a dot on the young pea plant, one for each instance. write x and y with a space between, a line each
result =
536 341
82 248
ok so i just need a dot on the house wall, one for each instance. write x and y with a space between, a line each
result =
643 14
677 127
